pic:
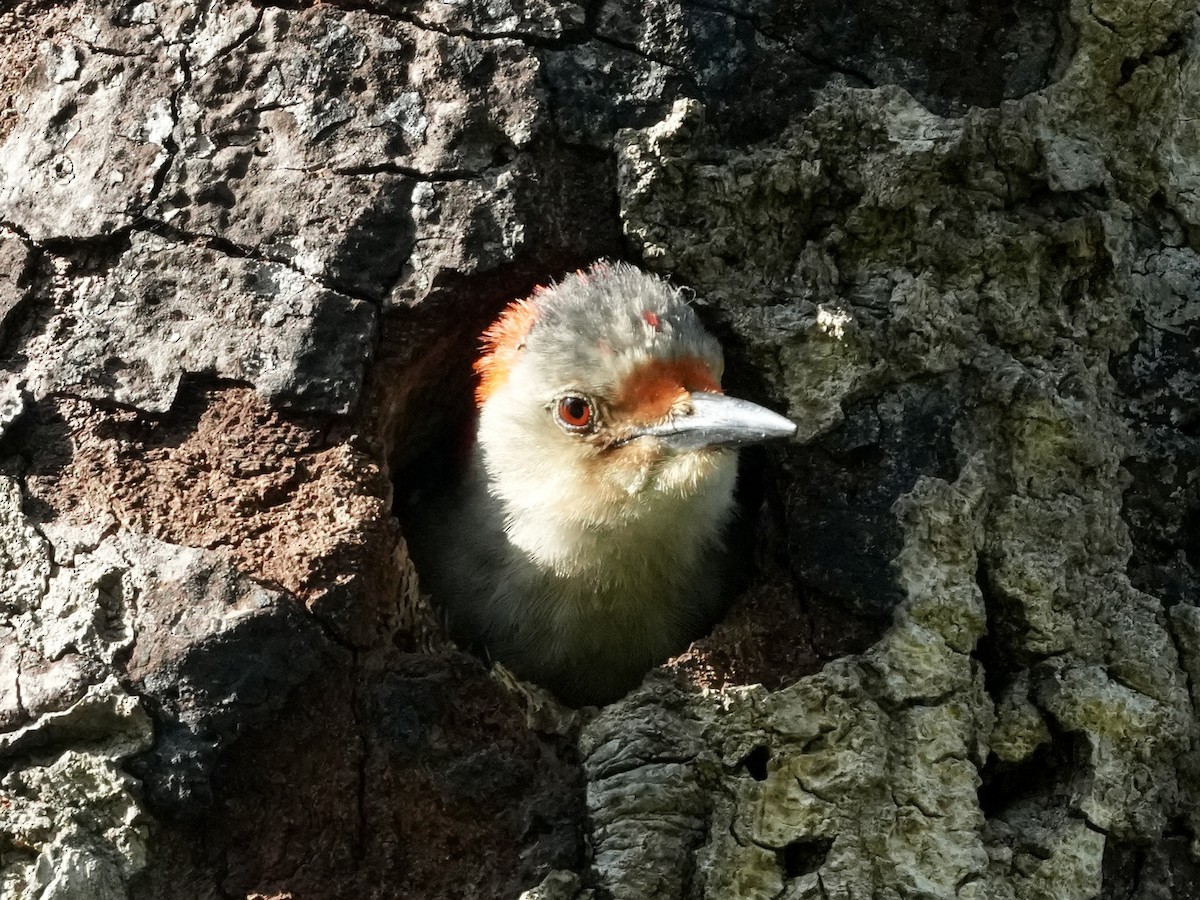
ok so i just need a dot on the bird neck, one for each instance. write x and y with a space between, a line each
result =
634 542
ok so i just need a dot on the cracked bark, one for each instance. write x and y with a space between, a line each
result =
245 251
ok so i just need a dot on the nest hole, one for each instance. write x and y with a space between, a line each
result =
755 762
803 857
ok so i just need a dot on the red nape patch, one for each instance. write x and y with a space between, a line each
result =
502 344
651 319
650 390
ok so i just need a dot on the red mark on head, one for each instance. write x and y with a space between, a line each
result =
502 344
651 319
651 390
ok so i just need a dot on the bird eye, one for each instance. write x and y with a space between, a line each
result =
574 413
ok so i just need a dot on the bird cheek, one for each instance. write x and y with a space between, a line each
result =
634 466
688 473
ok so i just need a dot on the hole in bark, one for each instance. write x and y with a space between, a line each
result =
217 194
755 762
1173 44
429 433
1001 651
803 857
110 596
1045 774
503 154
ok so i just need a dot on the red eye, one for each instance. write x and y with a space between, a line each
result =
575 413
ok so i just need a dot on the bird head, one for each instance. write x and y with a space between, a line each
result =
600 397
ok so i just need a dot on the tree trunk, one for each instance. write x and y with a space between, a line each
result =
245 252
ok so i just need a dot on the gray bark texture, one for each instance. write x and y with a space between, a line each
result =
245 251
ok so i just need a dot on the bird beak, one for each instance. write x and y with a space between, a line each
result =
720 421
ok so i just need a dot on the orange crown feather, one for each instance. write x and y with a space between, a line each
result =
501 344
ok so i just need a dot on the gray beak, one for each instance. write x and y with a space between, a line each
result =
720 421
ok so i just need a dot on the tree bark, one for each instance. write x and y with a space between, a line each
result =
245 252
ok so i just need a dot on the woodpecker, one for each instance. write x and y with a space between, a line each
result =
585 543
